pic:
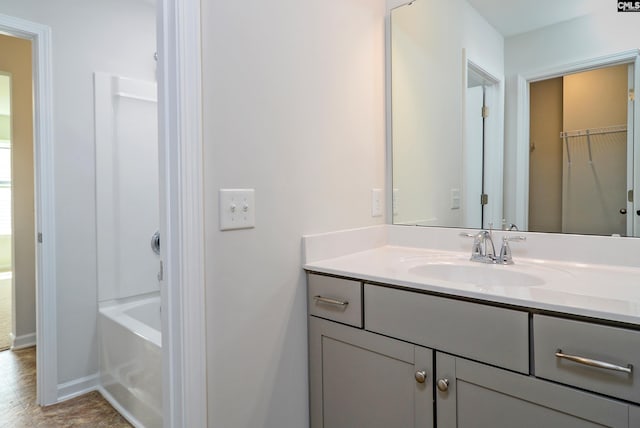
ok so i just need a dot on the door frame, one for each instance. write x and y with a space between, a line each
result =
522 119
182 213
493 142
46 318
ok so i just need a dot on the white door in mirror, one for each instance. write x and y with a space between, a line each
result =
237 209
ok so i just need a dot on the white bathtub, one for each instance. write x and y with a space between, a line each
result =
130 359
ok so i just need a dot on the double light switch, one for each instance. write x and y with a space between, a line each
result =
237 209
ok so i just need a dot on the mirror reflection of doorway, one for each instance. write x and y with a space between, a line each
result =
480 104
578 160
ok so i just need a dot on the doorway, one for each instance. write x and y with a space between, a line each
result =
481 201
17 192
522 84
30 144
182 222
581 159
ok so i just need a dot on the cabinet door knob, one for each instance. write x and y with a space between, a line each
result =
443 384
421 376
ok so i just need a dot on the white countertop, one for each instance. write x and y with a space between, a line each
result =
598 291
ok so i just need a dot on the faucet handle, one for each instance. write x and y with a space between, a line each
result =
481 234
505 252
476 248
507 238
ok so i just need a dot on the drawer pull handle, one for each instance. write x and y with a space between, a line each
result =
330 301
594 363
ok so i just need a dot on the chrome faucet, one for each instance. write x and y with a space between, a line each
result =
484 251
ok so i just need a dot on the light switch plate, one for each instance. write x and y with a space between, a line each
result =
455 199
376 202
237 209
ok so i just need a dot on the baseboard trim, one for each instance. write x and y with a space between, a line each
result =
24 341
77 387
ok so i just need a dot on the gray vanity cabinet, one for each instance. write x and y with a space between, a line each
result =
386 357
492 335
360 379
480 396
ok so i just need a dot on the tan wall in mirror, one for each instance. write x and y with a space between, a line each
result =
596 98
545 160
594 193
16 59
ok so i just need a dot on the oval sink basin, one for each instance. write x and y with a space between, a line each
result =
482 275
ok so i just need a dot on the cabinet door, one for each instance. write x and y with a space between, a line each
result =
482 396
361 379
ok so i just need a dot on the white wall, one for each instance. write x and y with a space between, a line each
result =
293 107
116 36
428 38
583 38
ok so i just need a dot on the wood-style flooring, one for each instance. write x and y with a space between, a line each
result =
18 408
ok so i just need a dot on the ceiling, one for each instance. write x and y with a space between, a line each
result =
511 17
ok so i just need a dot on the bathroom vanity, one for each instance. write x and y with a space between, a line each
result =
405 330
397 338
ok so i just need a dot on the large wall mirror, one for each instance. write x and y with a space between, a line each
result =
513 114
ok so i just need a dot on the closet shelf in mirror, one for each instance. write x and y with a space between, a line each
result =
588 133
594 131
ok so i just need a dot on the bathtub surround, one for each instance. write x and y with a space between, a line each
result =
127 209
127 205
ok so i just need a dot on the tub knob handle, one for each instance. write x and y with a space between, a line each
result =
155 242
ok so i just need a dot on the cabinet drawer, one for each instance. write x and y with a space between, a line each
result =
561 347
484 333
335 299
